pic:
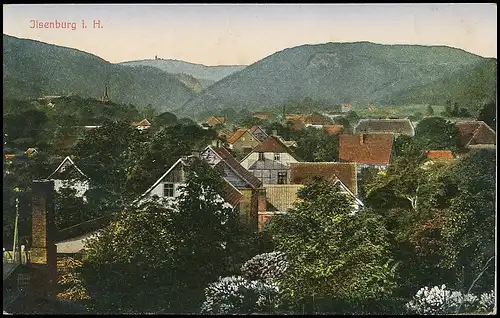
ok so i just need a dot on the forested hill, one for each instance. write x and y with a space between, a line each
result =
362 72
33 69
206 74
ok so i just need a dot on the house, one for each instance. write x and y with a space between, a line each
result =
242 140
279 199
270 161
261 116
439 155
316 121
282 197
330 130
68 175
259 133
30 152
304 172
142 125
394 126
476 135
339 173
366 150
215 120
346 108
241 189
435 156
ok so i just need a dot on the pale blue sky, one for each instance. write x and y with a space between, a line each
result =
246 33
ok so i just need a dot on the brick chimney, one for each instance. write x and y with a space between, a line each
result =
361 139
43 248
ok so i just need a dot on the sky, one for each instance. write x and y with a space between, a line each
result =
242 34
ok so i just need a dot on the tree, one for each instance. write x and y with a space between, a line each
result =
488 115
107 155
332 253
170 251
70 209
327 149
469 224
429 111
436 133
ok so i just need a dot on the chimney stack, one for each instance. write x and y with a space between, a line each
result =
43 247
275 133
361 139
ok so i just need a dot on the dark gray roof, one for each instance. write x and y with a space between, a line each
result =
384 126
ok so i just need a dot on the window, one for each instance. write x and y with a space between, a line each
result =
261 156
168 189
282 177
277 156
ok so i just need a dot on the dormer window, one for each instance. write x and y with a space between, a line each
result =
261 156
277 156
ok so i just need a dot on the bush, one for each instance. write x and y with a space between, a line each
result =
266 267
439 300
237 295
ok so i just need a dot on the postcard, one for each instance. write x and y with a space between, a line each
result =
249 158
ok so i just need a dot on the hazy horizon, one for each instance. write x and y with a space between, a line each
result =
241 34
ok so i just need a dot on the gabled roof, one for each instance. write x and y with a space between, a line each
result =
475 133
272 144
384 126
439 154
246 175
230 194
214 120
67 161
238 134
296 123
365 149
260 116
333 129
30 151
143 122
303 172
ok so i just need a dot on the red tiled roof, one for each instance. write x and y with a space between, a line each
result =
272 144
316 119
236 166
237 135
439 154
365 149
475 133
333 129
303 172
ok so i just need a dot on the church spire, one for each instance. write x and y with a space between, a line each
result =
105 97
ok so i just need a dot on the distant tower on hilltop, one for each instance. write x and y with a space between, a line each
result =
105 97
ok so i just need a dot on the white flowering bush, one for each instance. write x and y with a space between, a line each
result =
266 267
487 301
237 295
439 300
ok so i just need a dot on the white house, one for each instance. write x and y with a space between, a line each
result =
68 175
269 161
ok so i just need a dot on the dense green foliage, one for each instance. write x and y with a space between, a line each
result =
356 73
33 69
332 253
168 252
